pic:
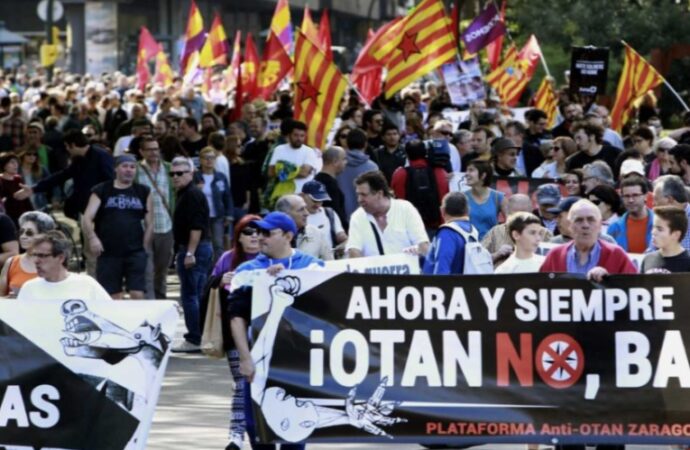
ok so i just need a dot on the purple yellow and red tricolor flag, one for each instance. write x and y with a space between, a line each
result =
637 78
215 50
319 88
547 100
281 25
511 77
193 37
416 45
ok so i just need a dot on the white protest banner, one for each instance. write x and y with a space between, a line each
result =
457 182
400 264
81 374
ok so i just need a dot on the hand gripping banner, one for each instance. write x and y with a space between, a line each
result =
471 359
81 375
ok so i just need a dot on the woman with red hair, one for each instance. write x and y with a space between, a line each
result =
245 248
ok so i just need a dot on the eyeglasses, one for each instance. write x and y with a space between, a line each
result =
446 133
249 232
41 255
632 196
596 201
27 232
209 157
342 136
178 173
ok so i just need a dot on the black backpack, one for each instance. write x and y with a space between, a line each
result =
423 194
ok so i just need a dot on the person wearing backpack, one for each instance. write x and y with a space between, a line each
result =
456 248
421 184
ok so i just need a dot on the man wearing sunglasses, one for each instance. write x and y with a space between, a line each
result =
194 253
277 231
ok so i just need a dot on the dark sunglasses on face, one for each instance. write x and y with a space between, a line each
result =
596 201
249 232
178 173
27 232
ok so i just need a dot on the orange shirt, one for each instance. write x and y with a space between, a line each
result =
16 276
637 234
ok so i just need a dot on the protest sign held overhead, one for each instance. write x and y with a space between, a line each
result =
589 70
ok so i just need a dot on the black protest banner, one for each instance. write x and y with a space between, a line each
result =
79 374
471 359
589 70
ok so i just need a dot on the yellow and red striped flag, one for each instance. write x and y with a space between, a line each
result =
416 45
637 78
319 88
309 27
547 100
517 69
215 50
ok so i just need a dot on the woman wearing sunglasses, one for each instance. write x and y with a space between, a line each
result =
245 248
609 203
21 268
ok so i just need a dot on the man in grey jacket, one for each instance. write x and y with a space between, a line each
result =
358 162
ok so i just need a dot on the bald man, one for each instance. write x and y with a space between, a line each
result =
497 240
587 253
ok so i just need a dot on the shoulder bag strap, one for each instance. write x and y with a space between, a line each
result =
378 238
155 186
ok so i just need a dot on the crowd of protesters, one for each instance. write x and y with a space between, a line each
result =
170 174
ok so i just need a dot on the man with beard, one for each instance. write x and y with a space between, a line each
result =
572 112
589 140
292 164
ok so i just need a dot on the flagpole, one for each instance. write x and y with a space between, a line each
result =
677 95
543 61
354 88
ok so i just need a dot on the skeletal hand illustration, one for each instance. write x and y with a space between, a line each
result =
373 413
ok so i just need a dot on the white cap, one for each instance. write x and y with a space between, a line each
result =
632 166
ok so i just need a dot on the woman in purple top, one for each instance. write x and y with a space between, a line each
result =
245 248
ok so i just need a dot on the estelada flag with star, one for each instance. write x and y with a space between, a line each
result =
423 41
517 69
319 88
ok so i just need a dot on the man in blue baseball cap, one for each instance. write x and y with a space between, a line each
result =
276 232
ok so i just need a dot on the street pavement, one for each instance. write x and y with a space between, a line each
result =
194 407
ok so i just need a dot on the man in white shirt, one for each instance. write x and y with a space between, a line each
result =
50 253
322 217
383 225
293 163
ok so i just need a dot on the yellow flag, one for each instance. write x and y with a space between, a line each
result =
49 54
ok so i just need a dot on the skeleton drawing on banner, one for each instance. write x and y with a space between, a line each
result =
89 335
294 419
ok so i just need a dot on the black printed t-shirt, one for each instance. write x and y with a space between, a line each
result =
655 263
120 218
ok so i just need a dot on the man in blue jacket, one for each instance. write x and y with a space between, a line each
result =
633 231
447 253
277 230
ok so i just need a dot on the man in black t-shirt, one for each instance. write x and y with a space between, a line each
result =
113 227
589 139
334 161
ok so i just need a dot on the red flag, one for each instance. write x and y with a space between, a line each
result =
239 93
494 49
250 68
147 43
367 72
325 35
275 65
148 48
455 20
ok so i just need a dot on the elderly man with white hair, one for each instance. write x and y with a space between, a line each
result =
194 253
587 253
